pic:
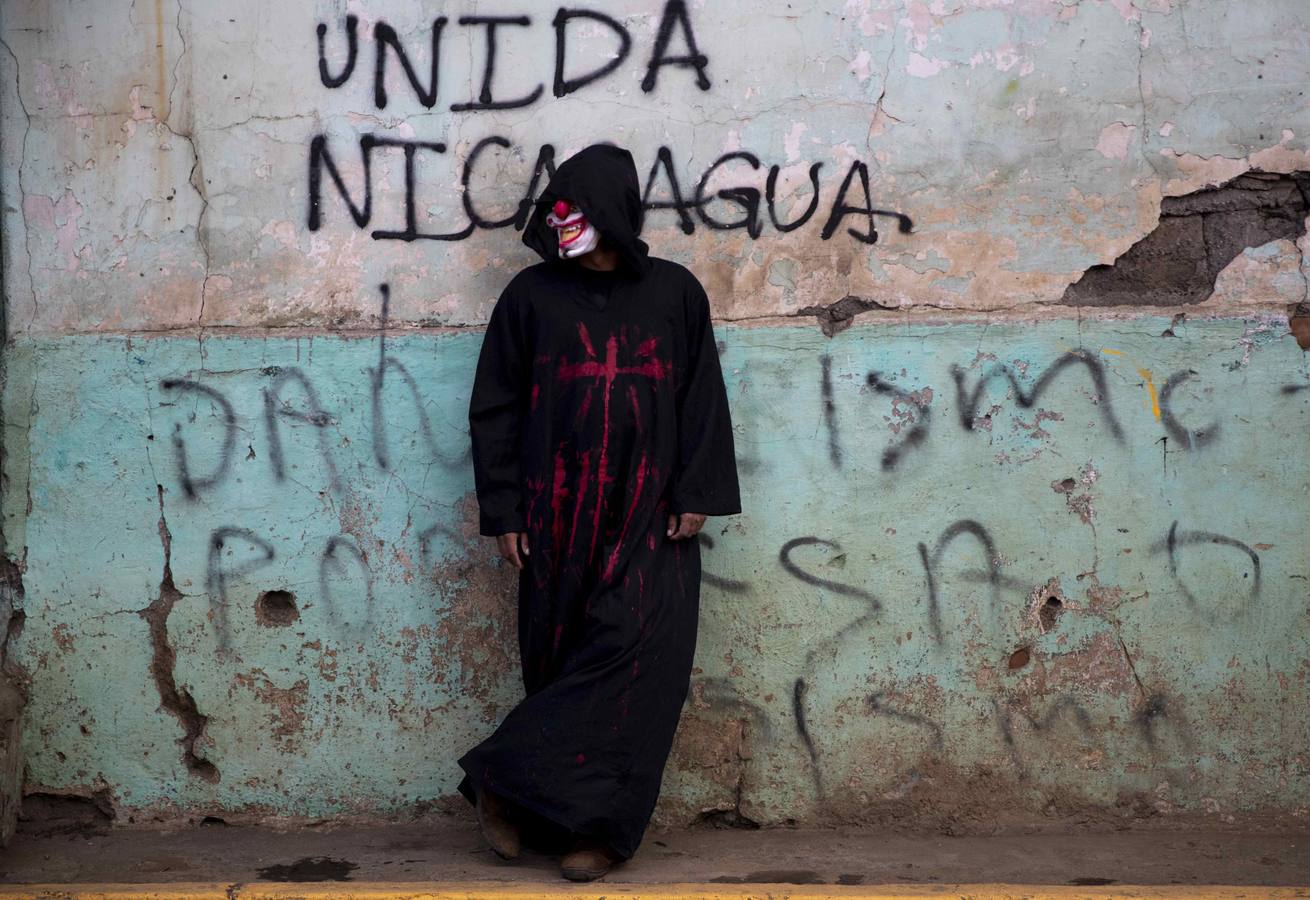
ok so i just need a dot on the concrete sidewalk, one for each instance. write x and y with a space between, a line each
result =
444 857
502 891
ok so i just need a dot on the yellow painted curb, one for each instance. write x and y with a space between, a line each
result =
604 890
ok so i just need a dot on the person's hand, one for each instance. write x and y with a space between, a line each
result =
513 544
684 525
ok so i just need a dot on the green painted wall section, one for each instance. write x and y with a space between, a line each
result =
1090 599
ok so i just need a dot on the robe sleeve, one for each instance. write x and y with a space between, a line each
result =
706 479
496 412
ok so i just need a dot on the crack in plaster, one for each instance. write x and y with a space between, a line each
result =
176 700
878 108
22 192
1144 138
1305 276
734 817
177 23
1131 667
196 176
172 698
1275 311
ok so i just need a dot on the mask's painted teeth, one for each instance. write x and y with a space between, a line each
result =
571 232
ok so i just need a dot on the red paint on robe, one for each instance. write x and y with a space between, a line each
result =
642 468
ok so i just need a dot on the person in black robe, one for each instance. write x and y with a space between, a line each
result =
601 441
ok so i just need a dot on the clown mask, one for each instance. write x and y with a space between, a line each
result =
576 235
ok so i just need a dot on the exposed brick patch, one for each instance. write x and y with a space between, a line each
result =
1198 235
838 316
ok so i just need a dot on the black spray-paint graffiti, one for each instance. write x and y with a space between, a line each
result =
675 24
278 412
1176 540
221 572
192 485
989 574
968 401
275 407
1152 708
1191 438
1062 709
912 410
830 411
728 585
800 687
427 558
747 197
836 587
932 560
332 564
377 385
281 408
663 191
879 706
675 46
218 574
1152 711
904 403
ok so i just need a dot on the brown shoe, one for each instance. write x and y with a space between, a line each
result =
588 861
500 833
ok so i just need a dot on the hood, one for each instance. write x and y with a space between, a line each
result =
601 181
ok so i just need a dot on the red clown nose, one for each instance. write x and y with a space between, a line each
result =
561 209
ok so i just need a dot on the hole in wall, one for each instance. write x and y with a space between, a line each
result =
1020 658
1299 326
1049 611
276 609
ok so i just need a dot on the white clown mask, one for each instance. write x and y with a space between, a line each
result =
576 234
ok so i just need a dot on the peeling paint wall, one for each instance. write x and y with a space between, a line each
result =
1021 424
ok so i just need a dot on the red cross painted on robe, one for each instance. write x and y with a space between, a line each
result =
604 373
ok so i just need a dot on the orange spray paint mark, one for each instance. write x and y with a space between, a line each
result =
1150 389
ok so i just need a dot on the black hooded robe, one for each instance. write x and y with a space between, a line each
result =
598 409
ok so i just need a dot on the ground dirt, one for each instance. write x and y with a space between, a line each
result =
447 848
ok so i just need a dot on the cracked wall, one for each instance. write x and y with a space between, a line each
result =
1036 394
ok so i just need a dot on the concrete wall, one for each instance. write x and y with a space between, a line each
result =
1022 450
